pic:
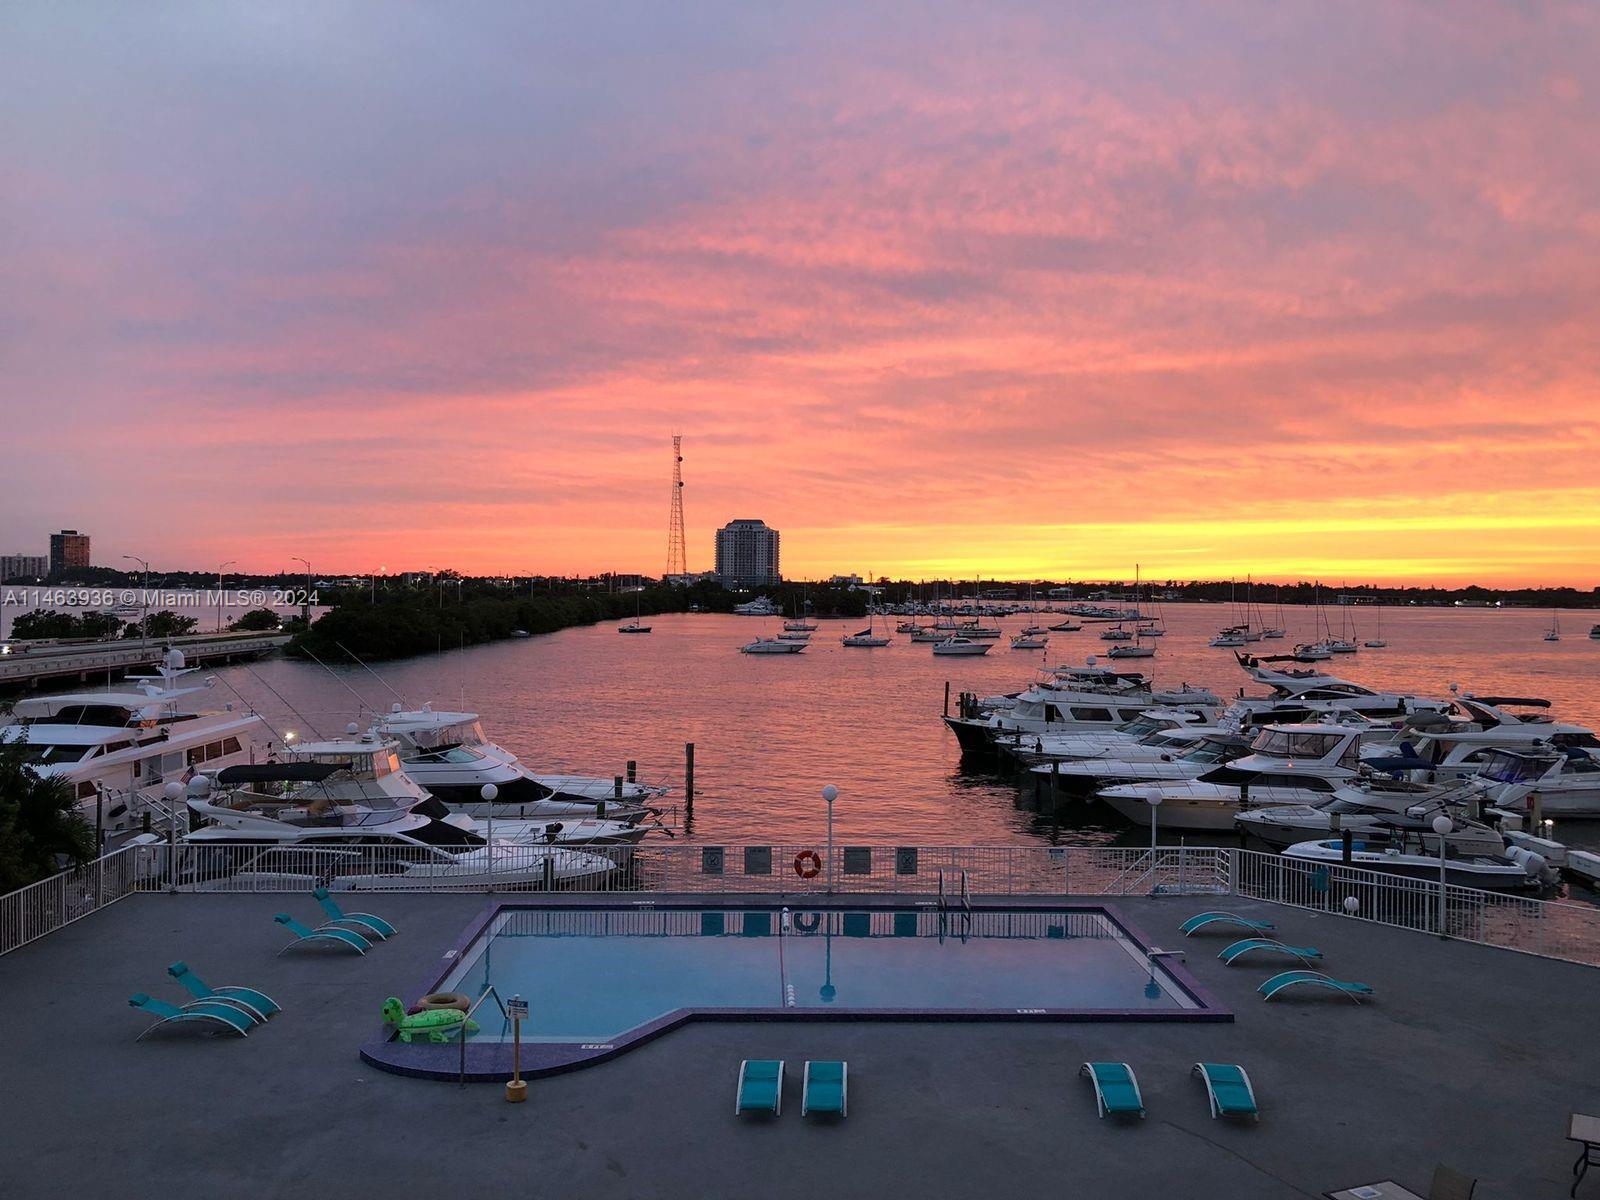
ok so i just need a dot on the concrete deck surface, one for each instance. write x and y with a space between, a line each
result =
1469 1056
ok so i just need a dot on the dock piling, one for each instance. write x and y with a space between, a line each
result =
688 779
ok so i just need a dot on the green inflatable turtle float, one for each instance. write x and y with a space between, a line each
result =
439 1024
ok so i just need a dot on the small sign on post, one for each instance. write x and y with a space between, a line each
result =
517 1088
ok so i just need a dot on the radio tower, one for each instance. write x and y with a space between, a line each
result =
677 554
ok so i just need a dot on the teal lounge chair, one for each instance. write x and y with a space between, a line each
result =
760 1087
1306 954
366 924
1228 1088
302 935
197 1010
1201 920
1116 1089
1288 979
825 1088
258 1004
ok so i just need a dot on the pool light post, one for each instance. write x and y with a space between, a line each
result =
489 792
1442 825
829 795
1154 801
220 570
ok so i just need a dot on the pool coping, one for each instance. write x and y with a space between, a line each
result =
491 1062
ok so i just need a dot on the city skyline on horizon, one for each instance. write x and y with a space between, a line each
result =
1226 292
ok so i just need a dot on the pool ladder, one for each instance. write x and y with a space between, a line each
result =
962 897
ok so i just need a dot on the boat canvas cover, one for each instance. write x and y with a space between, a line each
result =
295 772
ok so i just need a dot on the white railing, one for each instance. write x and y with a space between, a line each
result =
1549 928
44 907
1554 929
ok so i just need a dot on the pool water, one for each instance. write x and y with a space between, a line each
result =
593 974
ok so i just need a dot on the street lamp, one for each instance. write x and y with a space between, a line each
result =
829 795
220 570
489 793
1442 825
144 599
1154 801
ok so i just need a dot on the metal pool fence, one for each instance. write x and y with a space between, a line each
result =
950 876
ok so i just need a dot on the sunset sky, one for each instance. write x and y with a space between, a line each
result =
1031 289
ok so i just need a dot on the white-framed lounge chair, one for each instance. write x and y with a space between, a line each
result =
760 1087
825 1088
1228 1089
1201 920
302 935
1237 950
1116 1088
366 924
258 1004
1289 979
208 1011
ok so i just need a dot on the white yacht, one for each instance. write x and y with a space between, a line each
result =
116 749
1567 780
295 829
1475 857
1072 699
1317 691
1287 764
1176 754
1030 641
1145 729
1369 806
960 647
1478 726
771 646
448 754
759 607
366 774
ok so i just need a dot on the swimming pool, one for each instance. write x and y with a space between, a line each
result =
600 979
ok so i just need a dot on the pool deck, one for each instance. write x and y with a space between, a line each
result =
1468 1055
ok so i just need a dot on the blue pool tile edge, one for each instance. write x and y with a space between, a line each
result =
490 1062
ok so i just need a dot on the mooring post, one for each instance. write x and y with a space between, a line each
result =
1055 782
947 697
633 771
688 779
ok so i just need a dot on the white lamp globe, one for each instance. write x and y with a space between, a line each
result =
1442 825
830 793
1351 904
488 791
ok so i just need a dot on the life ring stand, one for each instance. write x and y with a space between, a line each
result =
438 1000
808 864
807 922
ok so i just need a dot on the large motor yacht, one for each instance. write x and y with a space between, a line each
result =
1072 700
448 754
1177 754
1566 778
116 749
1287 764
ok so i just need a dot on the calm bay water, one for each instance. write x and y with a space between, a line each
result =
771 731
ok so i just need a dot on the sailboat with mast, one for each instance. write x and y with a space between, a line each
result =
1553 634
636 625
1137 647
869 638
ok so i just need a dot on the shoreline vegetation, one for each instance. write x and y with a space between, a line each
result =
399 622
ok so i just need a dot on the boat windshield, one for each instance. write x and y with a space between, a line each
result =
458 733
1140 726
1286 743
1503 767
1207 752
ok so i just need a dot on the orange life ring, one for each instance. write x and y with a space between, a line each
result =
808 864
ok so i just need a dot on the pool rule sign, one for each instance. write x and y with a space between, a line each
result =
517 1088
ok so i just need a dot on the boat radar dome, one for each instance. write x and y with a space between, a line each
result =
199 785
395 707
173 657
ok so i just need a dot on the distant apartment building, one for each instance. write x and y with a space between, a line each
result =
69 551
747 554
23 566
